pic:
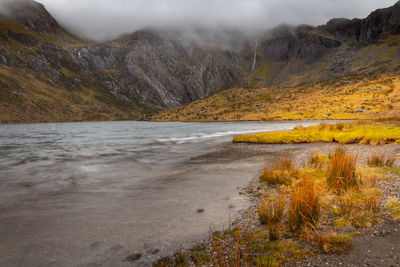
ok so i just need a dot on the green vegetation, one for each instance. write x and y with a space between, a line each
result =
364 132
336 243
134 257
380 161
271 212
393 206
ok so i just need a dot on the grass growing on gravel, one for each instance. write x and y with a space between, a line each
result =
280 173
318 208
379 160
336 243
374 132
321 205
393 206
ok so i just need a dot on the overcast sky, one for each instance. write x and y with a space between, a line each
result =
101 19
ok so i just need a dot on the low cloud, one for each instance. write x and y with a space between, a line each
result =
105 19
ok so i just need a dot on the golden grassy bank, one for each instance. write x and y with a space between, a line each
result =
382 131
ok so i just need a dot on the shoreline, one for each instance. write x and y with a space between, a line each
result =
180 121
248 219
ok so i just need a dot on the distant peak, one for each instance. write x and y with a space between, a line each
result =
30 14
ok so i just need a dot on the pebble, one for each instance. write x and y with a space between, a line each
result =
200 210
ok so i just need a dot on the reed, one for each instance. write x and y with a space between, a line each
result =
341 172
271 213
379 160
318 160
304 205
281 172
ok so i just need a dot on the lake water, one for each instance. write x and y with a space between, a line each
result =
90 194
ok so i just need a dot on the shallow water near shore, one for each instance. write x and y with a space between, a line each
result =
90 194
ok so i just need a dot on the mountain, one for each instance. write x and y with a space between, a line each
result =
48 74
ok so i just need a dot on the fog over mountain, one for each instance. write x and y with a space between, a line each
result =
106 19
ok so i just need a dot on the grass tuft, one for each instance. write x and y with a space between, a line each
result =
341 172
371 201
134 257
346 203
271 213
336 243
281 172
318 160
379 160
304 206
393 206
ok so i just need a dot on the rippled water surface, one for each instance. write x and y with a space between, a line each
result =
90 194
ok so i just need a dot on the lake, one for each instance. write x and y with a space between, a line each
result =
90 194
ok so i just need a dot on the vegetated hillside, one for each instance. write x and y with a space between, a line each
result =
47 74
357 97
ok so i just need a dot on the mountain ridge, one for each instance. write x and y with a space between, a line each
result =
149 71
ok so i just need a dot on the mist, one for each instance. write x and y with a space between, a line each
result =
106 19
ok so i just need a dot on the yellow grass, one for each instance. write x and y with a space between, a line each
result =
341 172
345 98
270 213
306 210
304 206
393 205
281 172
363 132
380 160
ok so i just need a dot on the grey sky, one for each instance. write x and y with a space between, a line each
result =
102 19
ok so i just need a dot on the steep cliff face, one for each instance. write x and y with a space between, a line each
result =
160 71
293 55
149 70
368 30
143 72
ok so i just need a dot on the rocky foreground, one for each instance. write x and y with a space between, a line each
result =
374 244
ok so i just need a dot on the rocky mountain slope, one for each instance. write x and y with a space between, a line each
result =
47 74
356 97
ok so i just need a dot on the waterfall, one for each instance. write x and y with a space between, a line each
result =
254 58
253 66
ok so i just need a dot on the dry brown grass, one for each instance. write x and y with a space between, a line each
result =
371 201
304 205
281 172
271 213
318 160
346 203
331 99
232 254
335 243
380 160
341 172
307 210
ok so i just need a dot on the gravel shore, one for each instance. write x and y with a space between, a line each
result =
376 246
379 245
